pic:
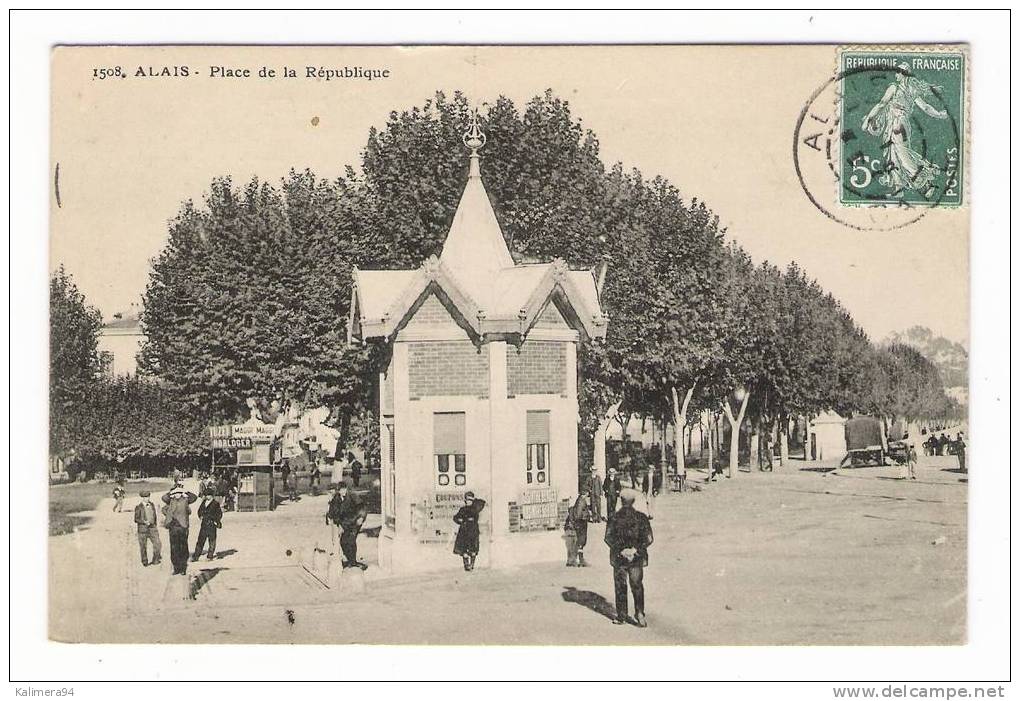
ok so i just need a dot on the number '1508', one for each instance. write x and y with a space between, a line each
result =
104 73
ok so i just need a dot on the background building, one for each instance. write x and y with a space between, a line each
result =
119 343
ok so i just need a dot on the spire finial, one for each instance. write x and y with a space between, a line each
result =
474 138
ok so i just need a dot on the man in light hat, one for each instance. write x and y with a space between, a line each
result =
628 535
177 509
145 520
612 489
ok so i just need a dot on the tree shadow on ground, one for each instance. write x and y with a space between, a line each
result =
202 577
817 469
957 470
590 600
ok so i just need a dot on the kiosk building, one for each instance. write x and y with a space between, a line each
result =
480 390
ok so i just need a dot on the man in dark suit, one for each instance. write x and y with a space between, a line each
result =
628 535
351 516
145 520
211 516
592 489
612 489
356 468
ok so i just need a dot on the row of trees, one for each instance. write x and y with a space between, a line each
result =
96 420
251 295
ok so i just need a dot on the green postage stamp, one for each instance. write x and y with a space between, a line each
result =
902 127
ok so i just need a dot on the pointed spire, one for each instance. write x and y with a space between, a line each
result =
475 248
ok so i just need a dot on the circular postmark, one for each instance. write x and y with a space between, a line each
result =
876 148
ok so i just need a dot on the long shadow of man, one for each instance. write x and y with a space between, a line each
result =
590 600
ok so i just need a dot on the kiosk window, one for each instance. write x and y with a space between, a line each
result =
538 448
448 436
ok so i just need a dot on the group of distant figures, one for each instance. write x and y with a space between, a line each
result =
175 516
944 445
346 514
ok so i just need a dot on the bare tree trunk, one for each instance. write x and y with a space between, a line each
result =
679 421
663 462
599 452
345 434
735 424
708 420
755 457
784 439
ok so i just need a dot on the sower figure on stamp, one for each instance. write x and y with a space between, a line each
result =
211 515
177 510
628 536
891 117
148 530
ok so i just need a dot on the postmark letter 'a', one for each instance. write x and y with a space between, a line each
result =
812 141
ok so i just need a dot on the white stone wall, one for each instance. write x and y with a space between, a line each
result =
496 437
124 349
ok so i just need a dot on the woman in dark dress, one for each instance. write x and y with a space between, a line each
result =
466 544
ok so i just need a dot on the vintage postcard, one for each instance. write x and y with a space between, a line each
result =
585 345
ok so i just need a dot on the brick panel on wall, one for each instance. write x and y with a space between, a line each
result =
431 312
550 318
444 368
539 367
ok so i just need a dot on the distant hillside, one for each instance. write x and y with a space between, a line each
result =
949 357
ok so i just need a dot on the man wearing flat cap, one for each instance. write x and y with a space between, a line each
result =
628 535
351 516
145 520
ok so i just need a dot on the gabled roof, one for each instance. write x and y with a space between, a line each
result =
383 299
476 279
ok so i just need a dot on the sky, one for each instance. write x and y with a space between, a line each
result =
717 121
